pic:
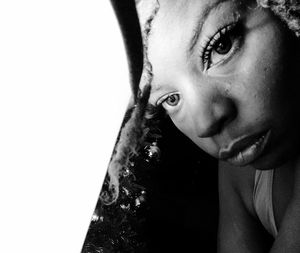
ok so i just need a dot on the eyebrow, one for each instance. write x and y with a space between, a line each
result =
201 20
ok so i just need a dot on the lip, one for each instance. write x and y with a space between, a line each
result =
245 149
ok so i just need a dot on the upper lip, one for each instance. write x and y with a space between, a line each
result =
239 144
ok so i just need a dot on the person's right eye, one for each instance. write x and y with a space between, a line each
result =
222 45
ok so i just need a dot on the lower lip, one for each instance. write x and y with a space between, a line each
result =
251 153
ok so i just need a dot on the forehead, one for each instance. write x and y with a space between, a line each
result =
173 25
173 31
177 19
169 9
180 8
174 20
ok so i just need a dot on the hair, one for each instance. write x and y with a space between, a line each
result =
133 133
287 10
113 228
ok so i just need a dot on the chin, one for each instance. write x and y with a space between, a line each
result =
276 157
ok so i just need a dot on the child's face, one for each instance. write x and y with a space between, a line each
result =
223 71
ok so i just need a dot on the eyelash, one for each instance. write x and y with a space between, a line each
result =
164 99
232 29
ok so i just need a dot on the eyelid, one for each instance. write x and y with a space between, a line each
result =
236 32
212 37
219 33
208 41
164 97
235 47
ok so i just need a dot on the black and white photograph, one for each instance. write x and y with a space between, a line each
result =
151 126
207 156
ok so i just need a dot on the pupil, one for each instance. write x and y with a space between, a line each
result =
172 99
224 45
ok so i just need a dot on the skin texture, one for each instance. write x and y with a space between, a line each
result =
226 95
243 94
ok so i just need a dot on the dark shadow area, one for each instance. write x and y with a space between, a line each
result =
170 205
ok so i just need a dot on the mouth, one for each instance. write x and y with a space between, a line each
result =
245 149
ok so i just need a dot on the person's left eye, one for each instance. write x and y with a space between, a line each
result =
171 100
221 46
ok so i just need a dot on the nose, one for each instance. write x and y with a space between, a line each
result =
217 113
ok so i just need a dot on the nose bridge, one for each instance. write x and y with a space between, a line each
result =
211 109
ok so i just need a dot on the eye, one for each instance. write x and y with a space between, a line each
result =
171 100
221 46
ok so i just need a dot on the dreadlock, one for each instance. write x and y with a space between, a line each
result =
287 10
134 132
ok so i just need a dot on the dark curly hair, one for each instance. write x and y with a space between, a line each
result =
133 132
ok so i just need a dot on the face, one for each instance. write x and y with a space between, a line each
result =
225 72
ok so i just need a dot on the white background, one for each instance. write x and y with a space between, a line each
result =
63 92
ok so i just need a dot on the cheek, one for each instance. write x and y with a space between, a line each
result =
186 125
259 83
189 127
208 146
